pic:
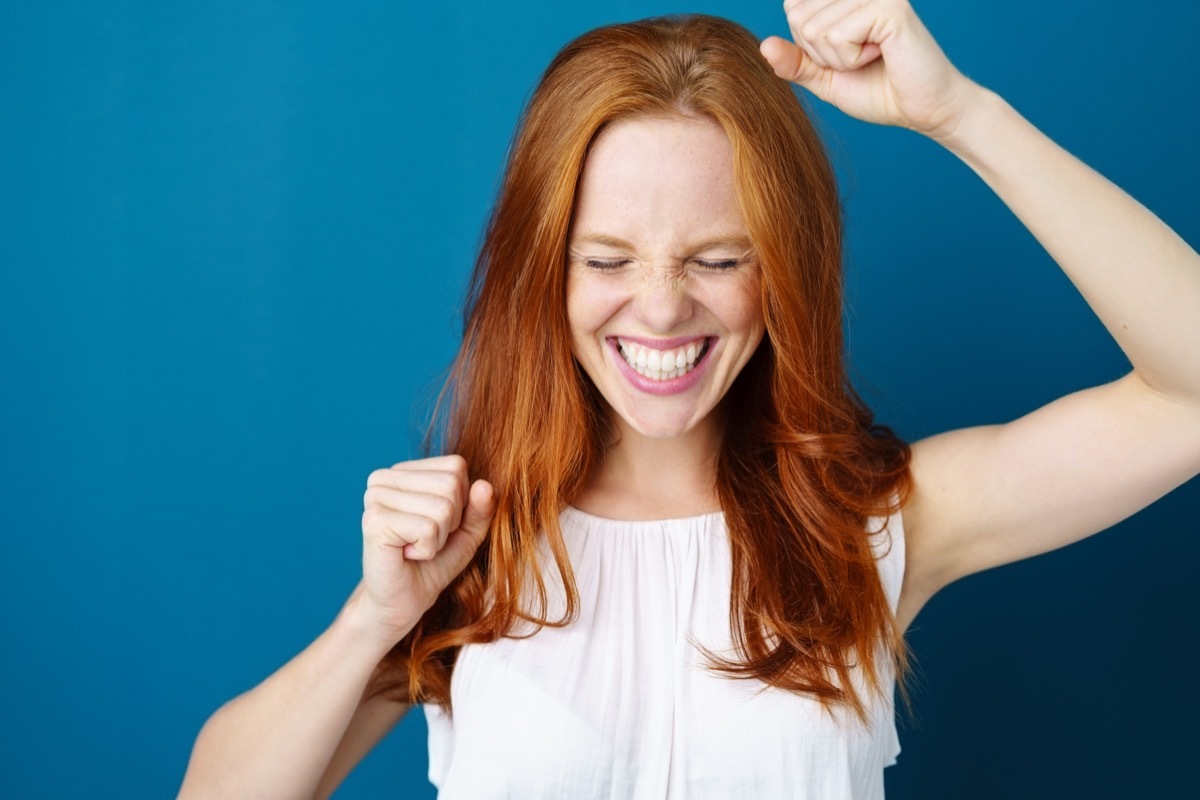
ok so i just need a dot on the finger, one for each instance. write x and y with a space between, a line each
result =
800 14
842 32
442 510
792 64
866 54
414 534
798 11
481 506
406 475
447 463
815 29
451 461
447 484
477 519
854 38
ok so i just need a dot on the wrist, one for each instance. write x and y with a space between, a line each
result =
364 626
975 119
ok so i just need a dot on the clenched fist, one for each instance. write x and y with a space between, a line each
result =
874 60
422 521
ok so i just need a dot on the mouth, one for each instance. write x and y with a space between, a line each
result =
663 365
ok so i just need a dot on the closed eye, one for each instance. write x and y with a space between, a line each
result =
602 264
718 265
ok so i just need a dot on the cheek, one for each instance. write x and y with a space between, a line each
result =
577 306
590 304
748 316
737 305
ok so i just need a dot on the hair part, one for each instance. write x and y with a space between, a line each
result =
802 467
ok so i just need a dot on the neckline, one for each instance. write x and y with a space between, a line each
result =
709 515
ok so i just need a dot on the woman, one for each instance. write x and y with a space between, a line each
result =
702 551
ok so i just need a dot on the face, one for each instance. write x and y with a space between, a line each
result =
663 294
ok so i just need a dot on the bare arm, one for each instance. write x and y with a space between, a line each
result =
302 727
992 495
989 496
301 731
373 720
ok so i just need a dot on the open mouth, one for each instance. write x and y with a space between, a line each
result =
663 365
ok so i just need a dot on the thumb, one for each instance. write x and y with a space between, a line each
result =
791 63
481 506
462 543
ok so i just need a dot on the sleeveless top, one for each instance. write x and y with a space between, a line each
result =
621 703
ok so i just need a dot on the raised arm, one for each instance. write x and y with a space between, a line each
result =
991 495
301 731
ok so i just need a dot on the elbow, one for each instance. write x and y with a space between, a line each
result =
198 778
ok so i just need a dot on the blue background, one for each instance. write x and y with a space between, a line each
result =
233 242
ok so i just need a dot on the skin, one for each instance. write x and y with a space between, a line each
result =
982 497
992 495
659 252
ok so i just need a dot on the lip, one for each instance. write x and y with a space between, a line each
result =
667 387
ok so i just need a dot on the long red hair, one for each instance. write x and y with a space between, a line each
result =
802 466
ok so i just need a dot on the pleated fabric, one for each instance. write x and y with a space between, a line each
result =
621 704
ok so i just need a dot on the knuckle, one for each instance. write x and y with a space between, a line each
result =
445 506
426 529
810 30
448 485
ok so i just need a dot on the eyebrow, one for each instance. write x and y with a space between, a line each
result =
734 240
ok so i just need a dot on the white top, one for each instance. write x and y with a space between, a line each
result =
621 704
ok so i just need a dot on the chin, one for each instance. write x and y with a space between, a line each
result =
654 426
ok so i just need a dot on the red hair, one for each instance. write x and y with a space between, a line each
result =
802 466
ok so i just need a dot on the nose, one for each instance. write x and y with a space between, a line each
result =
661 300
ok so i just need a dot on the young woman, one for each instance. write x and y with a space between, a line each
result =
669 554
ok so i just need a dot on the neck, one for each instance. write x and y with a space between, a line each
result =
644 478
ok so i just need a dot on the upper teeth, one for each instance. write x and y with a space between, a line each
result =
661 365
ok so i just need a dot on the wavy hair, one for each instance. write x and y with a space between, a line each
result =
802 467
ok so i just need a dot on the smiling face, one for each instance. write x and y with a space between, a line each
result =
663 293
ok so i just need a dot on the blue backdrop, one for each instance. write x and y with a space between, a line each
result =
233 242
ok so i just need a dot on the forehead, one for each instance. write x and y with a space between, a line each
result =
659 181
